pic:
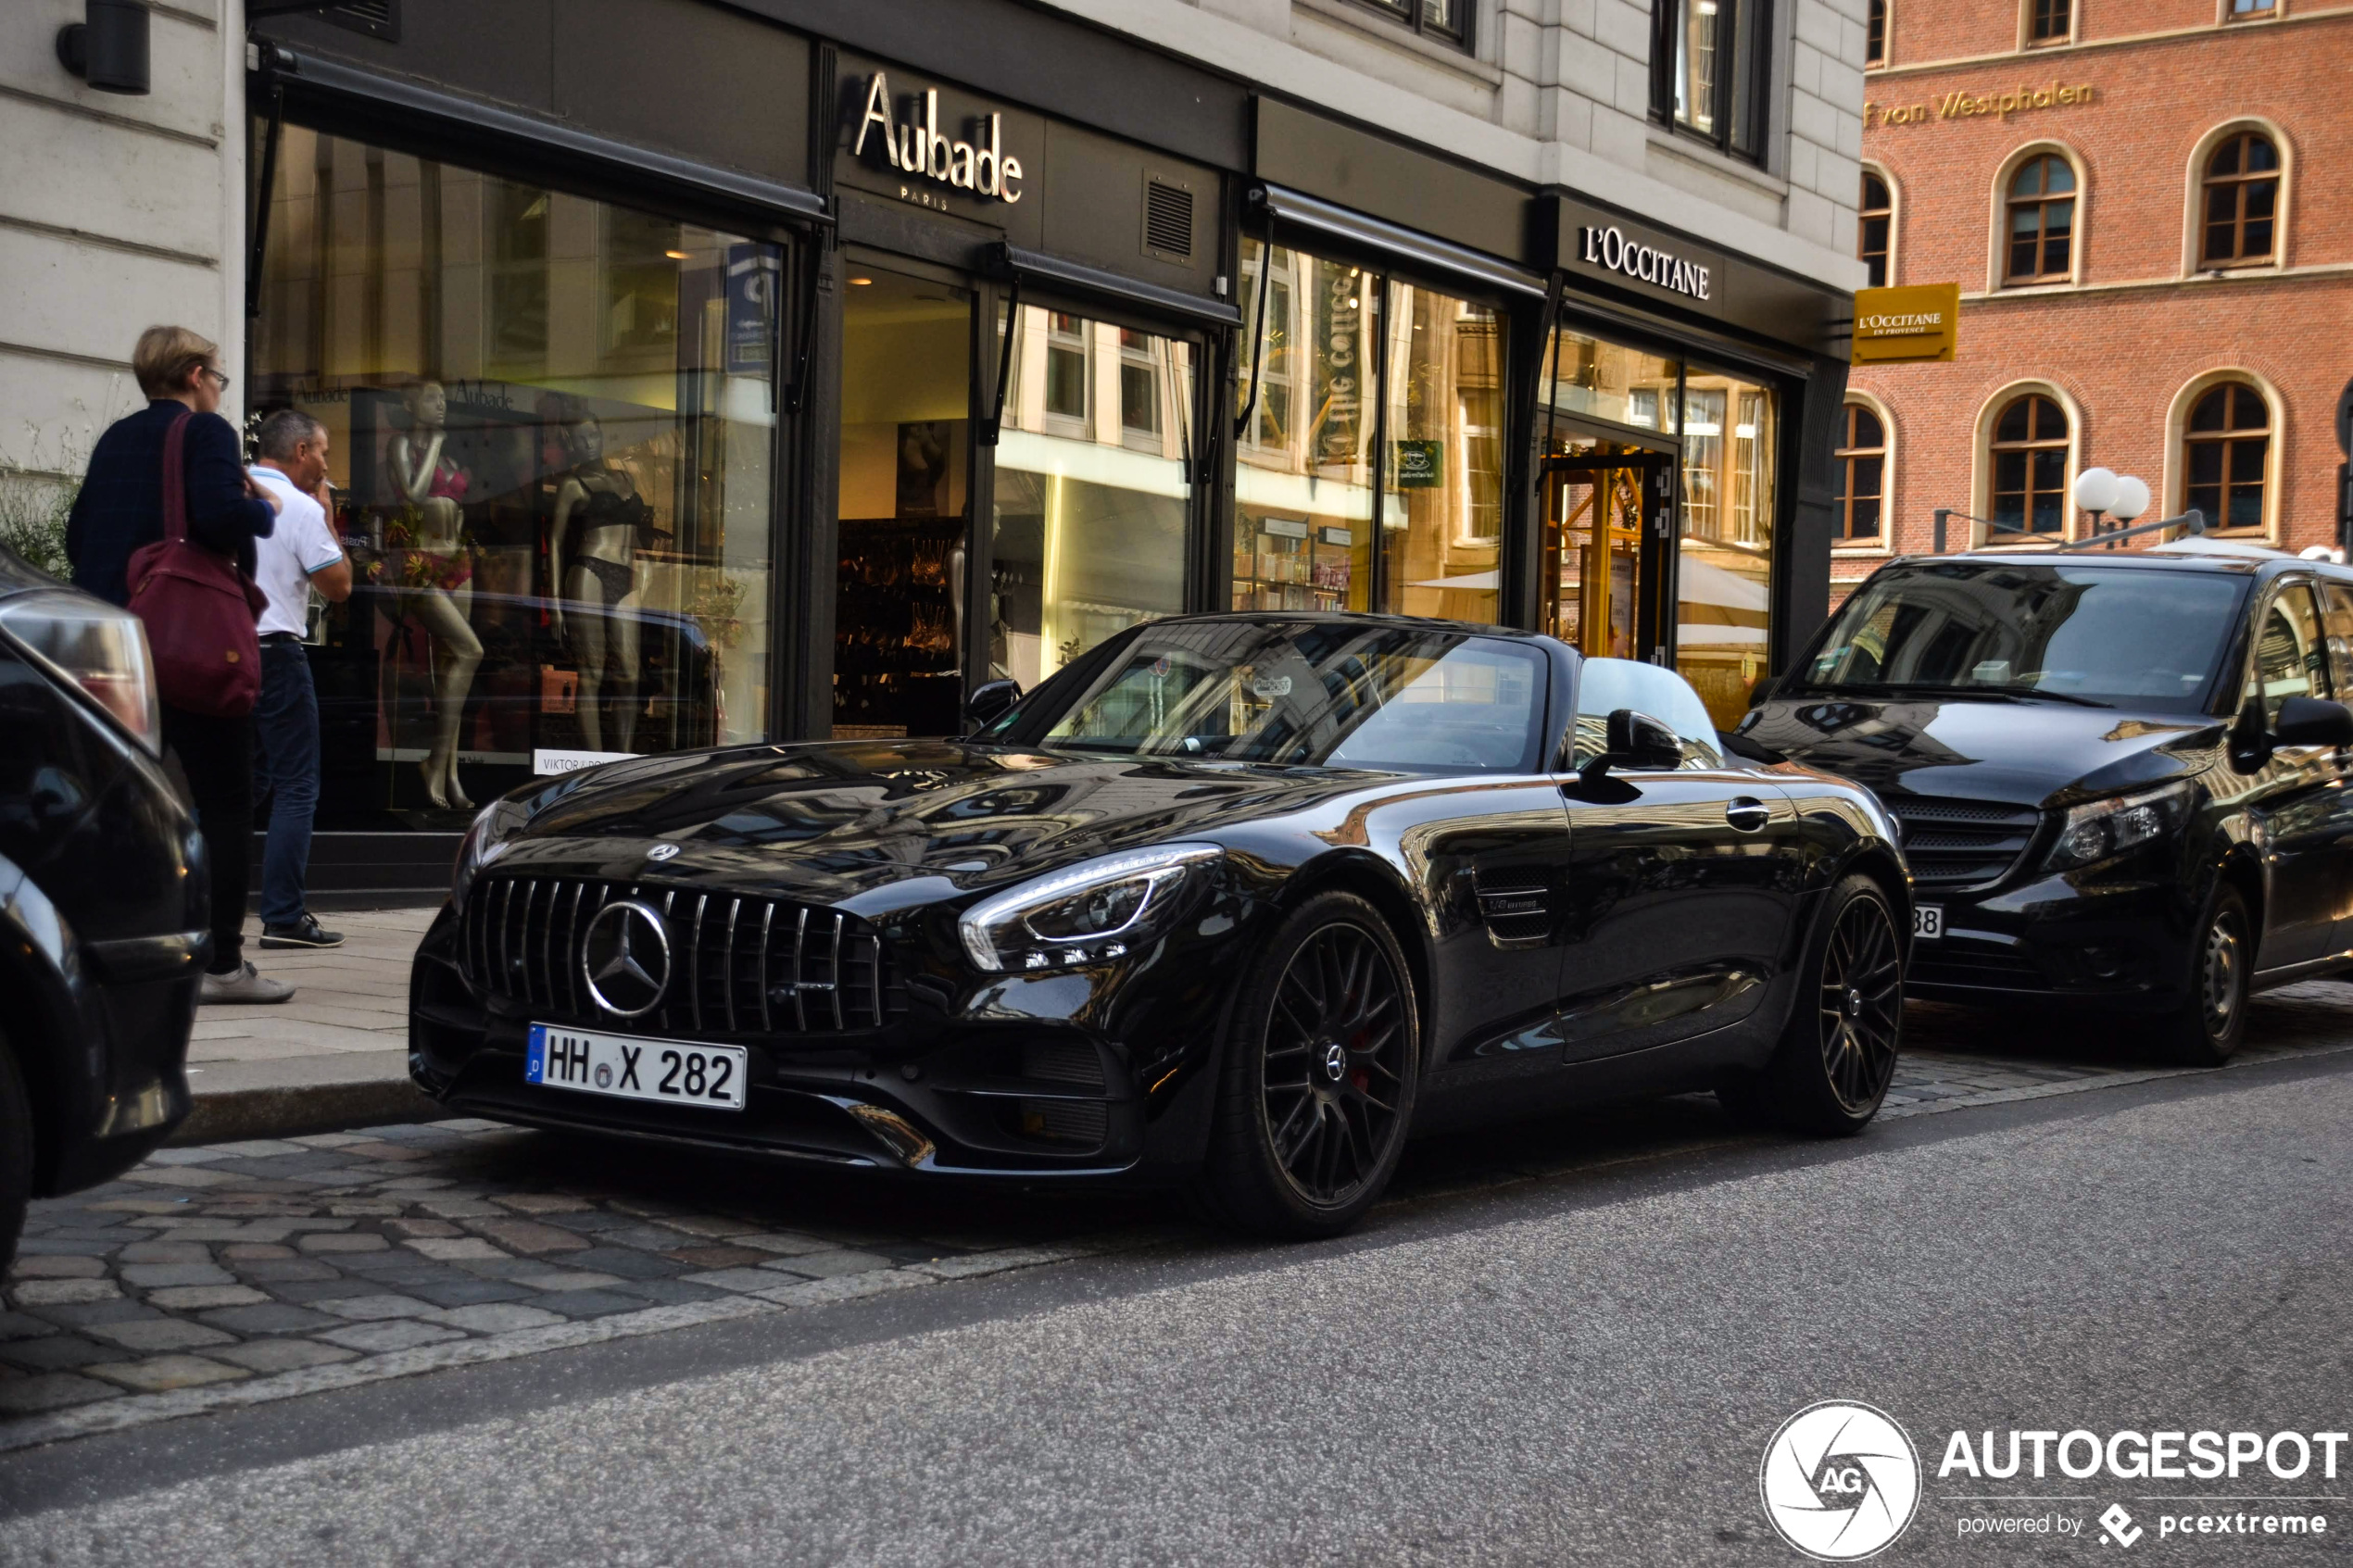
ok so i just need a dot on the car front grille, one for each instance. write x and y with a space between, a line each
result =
738 965
1960 842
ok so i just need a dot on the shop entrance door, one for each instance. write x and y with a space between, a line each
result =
1606 564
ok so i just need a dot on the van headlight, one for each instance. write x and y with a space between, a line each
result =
1096 910
2099 830
94 646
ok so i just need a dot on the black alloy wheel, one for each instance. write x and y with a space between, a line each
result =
1837 1051
1860 1003
1321 1064
2212 1020
1333 1048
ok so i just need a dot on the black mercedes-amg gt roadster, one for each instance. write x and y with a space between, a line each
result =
1232 902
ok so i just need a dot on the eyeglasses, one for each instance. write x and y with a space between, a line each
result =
216 375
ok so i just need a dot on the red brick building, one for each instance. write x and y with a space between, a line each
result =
2148 206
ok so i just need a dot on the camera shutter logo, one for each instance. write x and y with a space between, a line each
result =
1839 1480
624 956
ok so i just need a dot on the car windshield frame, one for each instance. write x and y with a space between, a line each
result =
1839 636
1303 692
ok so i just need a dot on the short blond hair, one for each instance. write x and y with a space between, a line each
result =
166 354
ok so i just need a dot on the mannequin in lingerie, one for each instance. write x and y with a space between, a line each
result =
592 556
434 581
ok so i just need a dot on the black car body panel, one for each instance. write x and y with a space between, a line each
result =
103 891
1562 946
1981 787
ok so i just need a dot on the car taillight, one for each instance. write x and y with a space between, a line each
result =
98 647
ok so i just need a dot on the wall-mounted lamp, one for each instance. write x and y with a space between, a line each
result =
108 48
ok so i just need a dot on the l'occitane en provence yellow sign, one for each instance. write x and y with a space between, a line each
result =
1919 323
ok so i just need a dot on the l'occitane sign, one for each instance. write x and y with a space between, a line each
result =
1920 323
1970 106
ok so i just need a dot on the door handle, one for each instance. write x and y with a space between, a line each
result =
1748 814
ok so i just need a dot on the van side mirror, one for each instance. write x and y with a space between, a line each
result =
2312 720
1636 742
1762 693
991 701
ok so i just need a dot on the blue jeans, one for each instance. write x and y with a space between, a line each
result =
286 728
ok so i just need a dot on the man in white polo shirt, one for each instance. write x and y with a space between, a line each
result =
300 554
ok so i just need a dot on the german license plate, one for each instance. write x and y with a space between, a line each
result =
628 1067
1927 921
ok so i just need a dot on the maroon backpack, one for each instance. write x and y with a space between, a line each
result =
199 607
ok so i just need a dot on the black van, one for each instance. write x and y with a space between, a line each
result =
2122 777
104 899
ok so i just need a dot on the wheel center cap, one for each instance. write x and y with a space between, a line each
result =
1853 1003
1335 1062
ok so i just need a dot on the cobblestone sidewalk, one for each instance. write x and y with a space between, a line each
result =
235 1272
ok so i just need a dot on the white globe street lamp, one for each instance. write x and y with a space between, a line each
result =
2131 499
2096 489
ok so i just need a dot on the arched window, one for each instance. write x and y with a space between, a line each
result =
2226 448
2042 222
2047 21
2029 466
1862 475
1875 35
2241 197
1876 229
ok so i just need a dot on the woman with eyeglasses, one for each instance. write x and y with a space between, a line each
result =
119 511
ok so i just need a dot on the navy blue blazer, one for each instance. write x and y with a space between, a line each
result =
120 507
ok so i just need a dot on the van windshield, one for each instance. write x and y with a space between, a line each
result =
2117 636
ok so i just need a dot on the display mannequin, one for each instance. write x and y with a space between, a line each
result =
435 579
592 556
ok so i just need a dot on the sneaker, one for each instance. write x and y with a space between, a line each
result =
303 933
244 984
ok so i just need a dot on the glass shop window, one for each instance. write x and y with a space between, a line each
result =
1088 522
550 422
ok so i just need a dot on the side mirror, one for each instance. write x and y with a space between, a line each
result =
1636 743
1762 693
991 701
2312 720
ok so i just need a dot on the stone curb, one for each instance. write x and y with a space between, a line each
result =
293 1110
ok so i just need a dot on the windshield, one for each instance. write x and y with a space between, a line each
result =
1300 694
2115 636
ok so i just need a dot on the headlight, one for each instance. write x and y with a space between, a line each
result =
482 845
1088 913
2099 829
97 646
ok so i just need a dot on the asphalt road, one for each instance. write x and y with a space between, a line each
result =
1582 1369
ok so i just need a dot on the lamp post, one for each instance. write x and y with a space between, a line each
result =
2106 494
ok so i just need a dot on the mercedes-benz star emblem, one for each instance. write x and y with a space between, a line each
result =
662 852
625 958
1335 1062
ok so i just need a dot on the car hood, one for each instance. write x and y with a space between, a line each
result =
2023 753
870 826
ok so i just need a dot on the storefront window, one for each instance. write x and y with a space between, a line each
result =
1442 522
550 422
1724 572
904 504
1092 491
1304 477
1610 380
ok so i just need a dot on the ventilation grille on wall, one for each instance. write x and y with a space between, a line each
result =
1168 220
377 19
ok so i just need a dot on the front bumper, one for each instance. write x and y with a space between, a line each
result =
1017 1078
2123 944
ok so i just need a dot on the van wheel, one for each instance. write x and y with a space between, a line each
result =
1318 1082
16 1155
2212 1020
1837 1052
